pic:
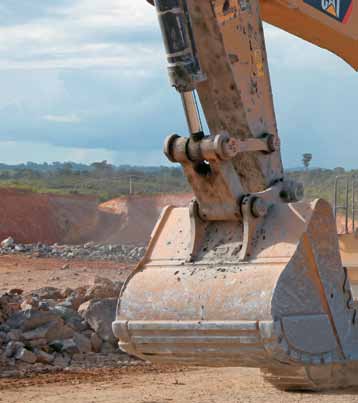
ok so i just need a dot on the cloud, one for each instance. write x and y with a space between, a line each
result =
81 78
63 118
81 34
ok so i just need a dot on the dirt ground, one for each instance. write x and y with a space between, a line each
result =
29 273
153 385
138 384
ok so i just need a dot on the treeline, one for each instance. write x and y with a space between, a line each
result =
107 181
104 180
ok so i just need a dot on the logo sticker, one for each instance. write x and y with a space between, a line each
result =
338 9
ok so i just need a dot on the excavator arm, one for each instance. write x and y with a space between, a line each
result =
329 24
247 275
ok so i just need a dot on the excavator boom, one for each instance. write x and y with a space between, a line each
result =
248 274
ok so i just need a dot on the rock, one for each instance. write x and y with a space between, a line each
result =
67 332
43 357
8 242
48 293
37 343
30 319
83 343
44 306
78 297
96 342
77 344
26 306
4 328
67 303
64 312
61 360
67 292
101 288
50 331
92 251
56 345
5 311
4 338
100 314
25 355
12 348
15 335
16 291
77 324
108 348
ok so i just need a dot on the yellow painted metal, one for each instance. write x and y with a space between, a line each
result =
316 24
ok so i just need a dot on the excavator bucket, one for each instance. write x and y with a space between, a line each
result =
247 275
287 310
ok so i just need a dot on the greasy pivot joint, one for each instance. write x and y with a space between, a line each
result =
222 147
259 207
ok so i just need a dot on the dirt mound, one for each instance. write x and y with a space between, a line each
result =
139 214
48 218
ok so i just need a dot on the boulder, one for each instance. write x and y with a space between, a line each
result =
12 348
77 297
50 331
96 342
100 314
43 357
78 324
64 312
83 343
101 288
25 356
48 293
15 335
8 242
77 344
30 319
37 343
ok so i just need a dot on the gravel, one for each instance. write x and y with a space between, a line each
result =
88 251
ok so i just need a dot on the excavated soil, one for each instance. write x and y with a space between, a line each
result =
140 213
48 218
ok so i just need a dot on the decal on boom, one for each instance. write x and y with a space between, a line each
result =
338 9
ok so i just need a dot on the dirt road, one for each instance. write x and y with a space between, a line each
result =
152 385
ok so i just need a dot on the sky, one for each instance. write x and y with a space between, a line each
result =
85 80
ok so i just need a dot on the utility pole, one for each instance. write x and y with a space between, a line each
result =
130 185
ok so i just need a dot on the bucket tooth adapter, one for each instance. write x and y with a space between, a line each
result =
247 275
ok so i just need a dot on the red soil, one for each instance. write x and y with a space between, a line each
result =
140 213
48 218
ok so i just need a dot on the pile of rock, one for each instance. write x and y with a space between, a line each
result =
57 328
89 251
